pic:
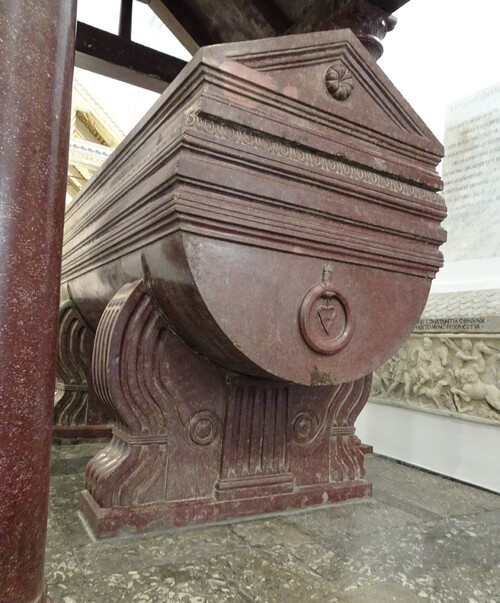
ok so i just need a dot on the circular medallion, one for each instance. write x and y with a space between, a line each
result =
203 427
305 426
339 81
325 319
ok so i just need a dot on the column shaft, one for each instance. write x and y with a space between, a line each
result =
36 63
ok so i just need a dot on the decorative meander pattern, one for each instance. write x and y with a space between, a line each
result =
281 148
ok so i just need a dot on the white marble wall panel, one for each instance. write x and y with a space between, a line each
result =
471 174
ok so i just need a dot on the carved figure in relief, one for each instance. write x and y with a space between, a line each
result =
474 375
429 363
460 375
399 373
463 355
474 356
478 360
437 393
485 361
473 389
492 371
382 379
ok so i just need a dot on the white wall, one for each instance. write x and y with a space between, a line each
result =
457 448
436 55
464 450
441 51
468 275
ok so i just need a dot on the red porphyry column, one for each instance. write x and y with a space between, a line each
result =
37 40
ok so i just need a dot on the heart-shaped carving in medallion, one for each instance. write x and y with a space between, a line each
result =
327 315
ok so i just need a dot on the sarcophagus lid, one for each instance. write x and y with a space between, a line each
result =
280 201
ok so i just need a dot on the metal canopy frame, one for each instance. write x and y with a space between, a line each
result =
195 24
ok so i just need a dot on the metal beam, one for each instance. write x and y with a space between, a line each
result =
195 26
125 26
110 55
168 19
273 14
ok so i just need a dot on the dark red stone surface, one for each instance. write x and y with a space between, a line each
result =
369 20
202 26
35 94
276 211
366 448
193 444
78 413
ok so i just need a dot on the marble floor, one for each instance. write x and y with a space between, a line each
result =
420 538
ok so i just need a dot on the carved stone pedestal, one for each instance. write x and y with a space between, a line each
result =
78 414
193 443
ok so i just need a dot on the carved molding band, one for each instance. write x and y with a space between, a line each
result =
325 318
139 440
227 131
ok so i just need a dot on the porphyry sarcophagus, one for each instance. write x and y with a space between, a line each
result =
267 233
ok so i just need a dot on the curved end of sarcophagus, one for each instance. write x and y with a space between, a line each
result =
283 197
298 318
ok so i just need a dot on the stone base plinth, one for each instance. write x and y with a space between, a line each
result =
107 522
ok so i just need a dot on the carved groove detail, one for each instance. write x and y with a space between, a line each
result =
337 419
256 432
131 378
75 402
255 446
346 459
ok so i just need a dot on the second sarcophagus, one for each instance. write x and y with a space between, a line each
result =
266 235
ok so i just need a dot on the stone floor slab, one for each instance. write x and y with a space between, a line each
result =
421 537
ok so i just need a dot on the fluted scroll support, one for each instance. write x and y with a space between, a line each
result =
78 412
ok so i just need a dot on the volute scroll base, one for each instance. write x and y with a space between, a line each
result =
192 444
78 413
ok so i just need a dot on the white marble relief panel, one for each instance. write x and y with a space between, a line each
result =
447 373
